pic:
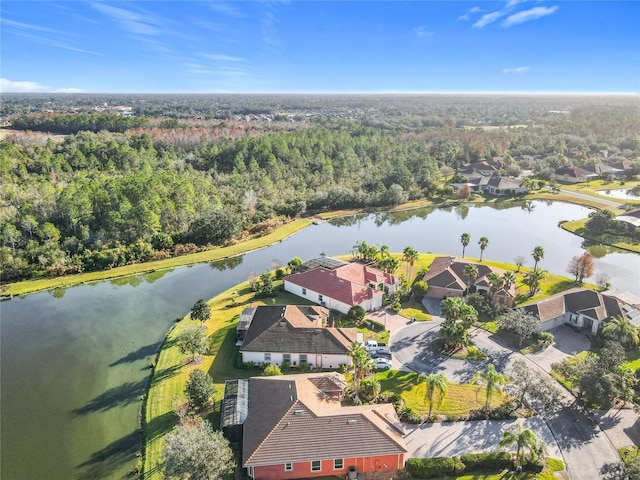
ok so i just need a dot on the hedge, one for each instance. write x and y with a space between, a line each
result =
430 467
487 461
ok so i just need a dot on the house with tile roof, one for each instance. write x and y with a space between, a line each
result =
294 334
584 308
446 278
575 174
343 286
297 427
498 185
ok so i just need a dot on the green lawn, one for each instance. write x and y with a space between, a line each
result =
633 359
459 400
414 309
552 465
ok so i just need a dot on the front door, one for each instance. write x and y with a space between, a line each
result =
319 361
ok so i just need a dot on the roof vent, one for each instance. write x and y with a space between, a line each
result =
298 412
352 421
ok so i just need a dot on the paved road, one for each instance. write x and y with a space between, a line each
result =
604 201
587 452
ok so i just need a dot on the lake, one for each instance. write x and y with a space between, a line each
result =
74 362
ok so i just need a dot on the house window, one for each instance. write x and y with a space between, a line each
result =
288 467
320 298
250 471
316 465
267 357
338 464
303 358
286 357
304 291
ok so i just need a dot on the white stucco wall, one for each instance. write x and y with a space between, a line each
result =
327 361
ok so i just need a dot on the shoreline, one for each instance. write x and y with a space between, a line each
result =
25 287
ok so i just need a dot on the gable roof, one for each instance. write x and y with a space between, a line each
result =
347 284
632 217
296 329
448 272
578 300
292 419
504 183
575 172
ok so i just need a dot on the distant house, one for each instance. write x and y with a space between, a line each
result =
497 185
632 217
575 174
297 428
340 285
446 278
584 308
294 334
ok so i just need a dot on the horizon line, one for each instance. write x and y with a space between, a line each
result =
338 93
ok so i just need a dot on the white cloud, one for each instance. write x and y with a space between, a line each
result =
488 18
222 58
225 9
128 20
422 32
27 26
467 15
513 3
516 70
26 86
528 15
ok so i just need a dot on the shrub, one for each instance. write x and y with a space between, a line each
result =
285 366
535 467
271 371
487 461
544 339
430 467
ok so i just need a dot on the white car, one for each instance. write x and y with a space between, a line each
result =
382 363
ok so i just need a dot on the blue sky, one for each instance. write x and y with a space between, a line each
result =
327 46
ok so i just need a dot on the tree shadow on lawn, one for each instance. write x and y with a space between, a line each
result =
223 346
166 373
561 286
397 381
160 425
139 354
102 463
121 395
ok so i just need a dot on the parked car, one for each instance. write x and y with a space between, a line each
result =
381 354
380 351
382 363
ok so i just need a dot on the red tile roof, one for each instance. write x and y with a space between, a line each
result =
348 284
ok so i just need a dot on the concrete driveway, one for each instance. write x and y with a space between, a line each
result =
567 343
480 436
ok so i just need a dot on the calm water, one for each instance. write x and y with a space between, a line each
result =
74 362
618 194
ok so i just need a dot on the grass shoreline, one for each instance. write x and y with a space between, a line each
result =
25 287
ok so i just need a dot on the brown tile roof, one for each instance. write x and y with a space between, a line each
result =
448 272
348 284
577 300
296 329
291 420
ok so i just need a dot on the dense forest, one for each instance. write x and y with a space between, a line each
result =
83 188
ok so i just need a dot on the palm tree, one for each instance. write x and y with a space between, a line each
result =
528 446
484 243
538 254
362 364
621 329
493 381
465 238
410 256
509 279
532 279
496 282
433 382
471 272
